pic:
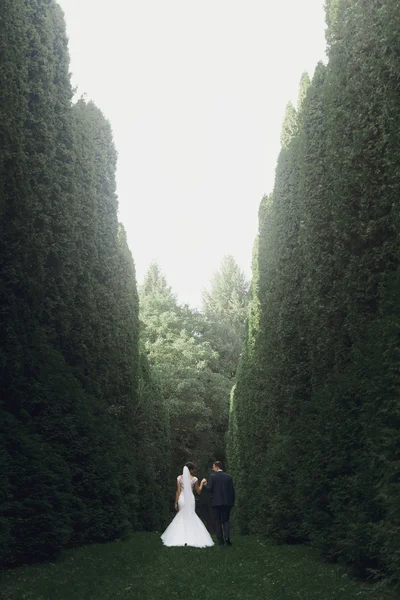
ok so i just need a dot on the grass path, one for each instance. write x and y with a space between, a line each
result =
142 569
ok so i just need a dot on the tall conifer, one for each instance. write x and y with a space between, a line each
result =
70 441
328 288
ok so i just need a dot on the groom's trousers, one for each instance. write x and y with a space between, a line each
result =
221 517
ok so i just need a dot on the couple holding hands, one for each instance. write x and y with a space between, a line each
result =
187 529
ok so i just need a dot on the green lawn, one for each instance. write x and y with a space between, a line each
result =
141 568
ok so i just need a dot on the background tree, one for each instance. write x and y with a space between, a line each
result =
225 310
194 355
194 393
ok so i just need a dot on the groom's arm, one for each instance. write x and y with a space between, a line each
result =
210 484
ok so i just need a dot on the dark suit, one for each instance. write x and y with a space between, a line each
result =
220 485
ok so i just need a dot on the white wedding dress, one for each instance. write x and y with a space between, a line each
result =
187 529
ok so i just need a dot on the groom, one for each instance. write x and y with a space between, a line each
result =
223 498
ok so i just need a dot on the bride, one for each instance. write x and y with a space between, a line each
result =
187 529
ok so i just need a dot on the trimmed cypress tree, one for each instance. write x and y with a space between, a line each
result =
69 359
35 104
153 451
246 415
281 346
328 293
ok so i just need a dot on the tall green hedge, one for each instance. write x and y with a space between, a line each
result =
319 395
71 440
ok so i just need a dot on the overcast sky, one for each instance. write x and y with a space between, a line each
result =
195 92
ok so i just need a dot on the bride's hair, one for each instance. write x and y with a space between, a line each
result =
191 466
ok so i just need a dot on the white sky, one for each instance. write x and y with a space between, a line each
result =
195 92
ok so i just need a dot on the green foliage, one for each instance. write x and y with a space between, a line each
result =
289 129
71 442
303 89
153 445
318 389
225 308
246 426
195 393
